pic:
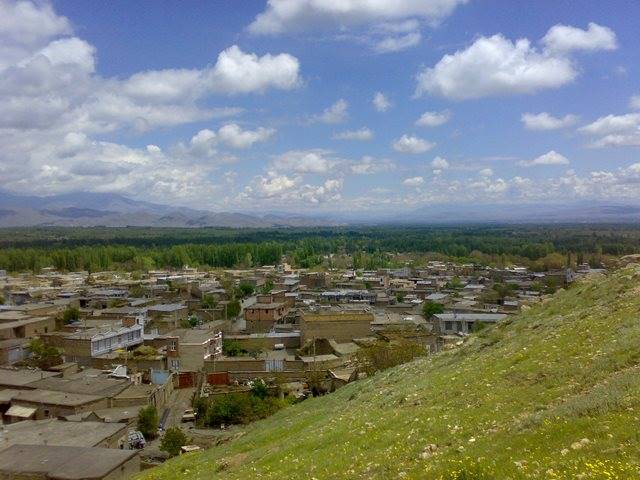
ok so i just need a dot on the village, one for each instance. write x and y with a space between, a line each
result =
84 355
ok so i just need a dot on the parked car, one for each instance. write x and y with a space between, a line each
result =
189 415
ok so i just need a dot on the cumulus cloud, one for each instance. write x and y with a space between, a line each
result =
412 144
336 113
305 161
440 163
380 102
413 182
53 104
550 158
361 134
277 190
545 121
233 136
238 72
281 16
433 119
497 66
486 172
614 131
368 165
565 38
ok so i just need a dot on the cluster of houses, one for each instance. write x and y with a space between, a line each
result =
121 341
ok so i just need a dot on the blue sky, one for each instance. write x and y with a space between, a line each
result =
259 106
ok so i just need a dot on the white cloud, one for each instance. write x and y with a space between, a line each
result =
233 135
412 144
613 124
380 102
565 38
370 166
413 182
614 131
497 66
634 102
545 121
361 134
278 190
440 163
397 43
305 161
282 16
238 72
486 172
336 113
494 66
433 119
550 158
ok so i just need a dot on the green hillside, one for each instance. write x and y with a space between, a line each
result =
551 393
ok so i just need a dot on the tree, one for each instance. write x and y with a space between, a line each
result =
71 314
208 301
233 308
245 289
431 308
42 355
267 287
148 422
399 297
172 441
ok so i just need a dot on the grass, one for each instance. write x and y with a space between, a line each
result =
551 393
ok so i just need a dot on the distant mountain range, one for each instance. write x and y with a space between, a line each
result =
113 210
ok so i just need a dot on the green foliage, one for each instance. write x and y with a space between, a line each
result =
430 308
231 348
173 440
245 290
455 283
148 422
259 389
145 351
141 249
240 408
208 301
267 287
233 308
190 322
399 297
71 314
42 355
137 291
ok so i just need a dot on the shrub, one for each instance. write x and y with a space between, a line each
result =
208 301
231 348
431 308
233 308
148 422
42 355
71 314
172 441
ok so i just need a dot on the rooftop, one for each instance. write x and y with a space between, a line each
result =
58 432
61 462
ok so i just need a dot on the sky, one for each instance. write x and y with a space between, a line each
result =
322 105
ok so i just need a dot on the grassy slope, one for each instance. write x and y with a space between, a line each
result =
511 402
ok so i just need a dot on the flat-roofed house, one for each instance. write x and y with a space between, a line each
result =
264 314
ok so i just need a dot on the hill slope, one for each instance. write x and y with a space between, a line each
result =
551 393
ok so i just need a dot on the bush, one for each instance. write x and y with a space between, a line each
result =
71 314
233 308
246 289
172 441
231 348
431 308
42 355
148 422
208 301
382 355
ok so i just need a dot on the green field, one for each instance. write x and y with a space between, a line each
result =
551 393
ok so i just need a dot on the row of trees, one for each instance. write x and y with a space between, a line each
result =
542 247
